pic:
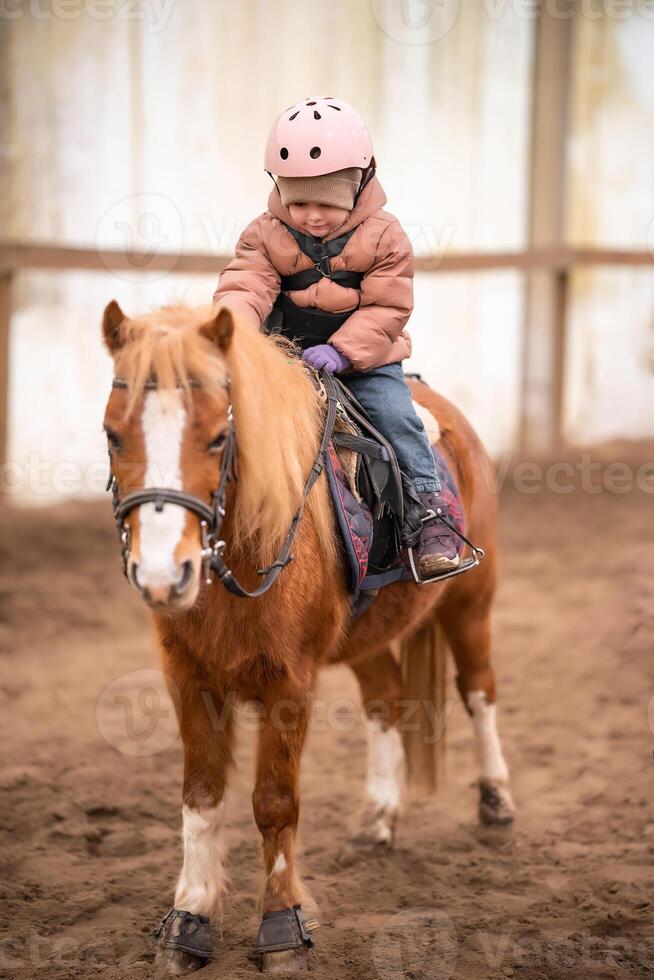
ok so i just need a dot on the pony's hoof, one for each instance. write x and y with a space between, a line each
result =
376 831
373 838
176 963
360 849
284 940
496 806
184 943
287 961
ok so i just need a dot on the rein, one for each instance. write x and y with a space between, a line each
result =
212 515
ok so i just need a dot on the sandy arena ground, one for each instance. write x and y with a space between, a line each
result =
89 834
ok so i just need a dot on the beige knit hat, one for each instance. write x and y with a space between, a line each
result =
337 189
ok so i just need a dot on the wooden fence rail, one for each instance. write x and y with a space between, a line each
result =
17 256
558 263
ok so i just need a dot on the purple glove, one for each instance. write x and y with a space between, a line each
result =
327 357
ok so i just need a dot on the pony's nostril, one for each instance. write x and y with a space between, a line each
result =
187 574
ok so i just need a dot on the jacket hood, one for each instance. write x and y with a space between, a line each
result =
371 199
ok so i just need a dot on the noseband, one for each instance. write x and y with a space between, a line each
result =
212 515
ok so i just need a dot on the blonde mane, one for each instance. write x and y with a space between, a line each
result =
277 414
167 345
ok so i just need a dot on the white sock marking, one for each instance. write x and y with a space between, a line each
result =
489 751
385 766
279 865
202 880
163 421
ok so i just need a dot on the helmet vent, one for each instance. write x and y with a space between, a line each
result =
338 109
316 115
283 153
315 152
294 115
311 103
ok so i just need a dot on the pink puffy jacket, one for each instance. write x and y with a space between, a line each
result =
374 334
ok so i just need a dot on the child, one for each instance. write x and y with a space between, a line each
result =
326 266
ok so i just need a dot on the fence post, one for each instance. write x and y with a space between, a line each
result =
541 420
5 321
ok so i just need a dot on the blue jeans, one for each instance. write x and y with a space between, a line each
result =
385 395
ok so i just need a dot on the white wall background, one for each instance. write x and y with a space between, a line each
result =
146 129
610 364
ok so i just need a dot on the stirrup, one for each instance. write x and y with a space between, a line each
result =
464 566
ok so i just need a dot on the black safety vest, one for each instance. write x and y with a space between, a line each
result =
310 326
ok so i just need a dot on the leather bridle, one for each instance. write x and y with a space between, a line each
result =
212 515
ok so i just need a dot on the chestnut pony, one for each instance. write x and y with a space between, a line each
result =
181 375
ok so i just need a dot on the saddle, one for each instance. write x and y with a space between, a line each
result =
362 458
372 497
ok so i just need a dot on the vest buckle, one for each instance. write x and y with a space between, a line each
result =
323 265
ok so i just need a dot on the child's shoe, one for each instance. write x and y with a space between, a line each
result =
437 551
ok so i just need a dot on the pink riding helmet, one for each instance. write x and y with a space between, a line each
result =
317 136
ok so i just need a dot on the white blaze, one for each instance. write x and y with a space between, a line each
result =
202 881
489 751
163 421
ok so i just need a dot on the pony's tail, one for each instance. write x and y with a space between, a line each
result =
423 660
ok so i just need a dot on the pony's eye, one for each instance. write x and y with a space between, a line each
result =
217 444
114 440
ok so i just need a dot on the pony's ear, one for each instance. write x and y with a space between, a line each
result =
220 328
112 321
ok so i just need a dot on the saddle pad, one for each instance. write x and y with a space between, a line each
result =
356 524
354 520
450 494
